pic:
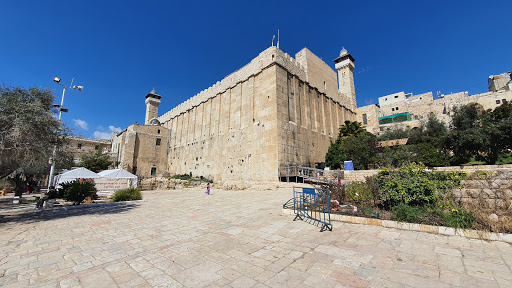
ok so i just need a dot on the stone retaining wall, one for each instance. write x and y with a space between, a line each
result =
495 189
441 230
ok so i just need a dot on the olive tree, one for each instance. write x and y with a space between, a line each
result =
29 131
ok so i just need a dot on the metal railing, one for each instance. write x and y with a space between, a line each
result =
312 204
308 173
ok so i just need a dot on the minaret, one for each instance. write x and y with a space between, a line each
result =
345 67
152 102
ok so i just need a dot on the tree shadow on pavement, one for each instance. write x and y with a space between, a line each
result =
26 214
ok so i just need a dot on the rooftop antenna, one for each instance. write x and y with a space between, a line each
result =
273 37
277 38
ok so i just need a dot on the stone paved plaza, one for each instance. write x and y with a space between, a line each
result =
183 238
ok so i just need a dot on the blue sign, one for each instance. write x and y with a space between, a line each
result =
349 166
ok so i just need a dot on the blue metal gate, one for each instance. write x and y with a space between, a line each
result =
312 204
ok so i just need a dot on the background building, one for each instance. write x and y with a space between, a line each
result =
401 110
79 147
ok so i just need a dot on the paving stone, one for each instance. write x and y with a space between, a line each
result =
177 239
97 278
366 271
201 275
243 282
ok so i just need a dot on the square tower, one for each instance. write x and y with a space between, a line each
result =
152 102
345 67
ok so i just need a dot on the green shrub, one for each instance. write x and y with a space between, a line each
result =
480 175
413 185
77 190
127 195
190 177
356 192
405 213
434 215
446 181
364 193
409 185
459 218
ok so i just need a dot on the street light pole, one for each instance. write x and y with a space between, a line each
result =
61 109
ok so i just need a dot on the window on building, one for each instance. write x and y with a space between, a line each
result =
158 131
503 101
396 96
396 108
153 171
96 148
392 108
365 119
134 170
158 141
79 146
497 101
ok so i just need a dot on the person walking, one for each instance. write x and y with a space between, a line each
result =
207 192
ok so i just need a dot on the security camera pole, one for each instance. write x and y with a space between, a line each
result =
61 109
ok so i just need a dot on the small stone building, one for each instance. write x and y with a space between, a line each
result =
142 149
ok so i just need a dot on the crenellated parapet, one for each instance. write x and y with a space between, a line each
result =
270 56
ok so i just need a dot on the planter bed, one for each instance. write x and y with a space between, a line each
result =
441 230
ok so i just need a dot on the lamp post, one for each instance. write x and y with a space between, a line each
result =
61 109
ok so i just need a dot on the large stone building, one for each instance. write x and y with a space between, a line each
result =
401 110
275 111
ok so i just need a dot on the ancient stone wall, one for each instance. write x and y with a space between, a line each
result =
308 121
263 116
225 137
489 184
318 73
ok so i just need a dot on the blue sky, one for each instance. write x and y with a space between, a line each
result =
120 50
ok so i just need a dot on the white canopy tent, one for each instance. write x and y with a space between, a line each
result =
78 173
119 174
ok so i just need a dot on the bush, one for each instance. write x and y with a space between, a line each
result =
459 218
409 185
405 213
127 195
77 190
181 177
337 192
413 185
364 193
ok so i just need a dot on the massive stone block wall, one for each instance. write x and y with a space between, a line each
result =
308 120
229 136
259 118
318 73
